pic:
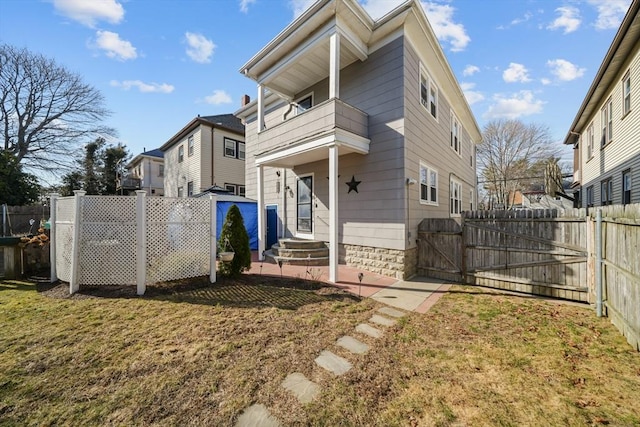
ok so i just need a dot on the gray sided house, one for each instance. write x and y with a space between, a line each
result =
208 151
605 133
359 131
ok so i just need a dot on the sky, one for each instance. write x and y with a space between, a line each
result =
160 63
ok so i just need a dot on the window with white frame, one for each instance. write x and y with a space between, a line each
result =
241 190
590 141
180 191
181 154
304 103
606 192
471 198
428 93
606 117
455 134
234 149
231 188
626 94
161 170
428 185
190 146
590 196
455 197
626 187
241 150
190 188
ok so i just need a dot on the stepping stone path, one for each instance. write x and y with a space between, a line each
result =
301 387
353 345
333 363
258 415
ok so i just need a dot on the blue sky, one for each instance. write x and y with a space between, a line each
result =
161 63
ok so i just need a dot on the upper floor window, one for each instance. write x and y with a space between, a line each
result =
455 198
234 149
590 196
471 197
590 141
190 188
428 93
428 185
606 118
231 188
626 94
455 134
606 192
626 187
190 145
160 170
181 153
180 191
304 103
241 190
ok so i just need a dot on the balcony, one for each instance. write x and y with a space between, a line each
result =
128 183
576 178
305 137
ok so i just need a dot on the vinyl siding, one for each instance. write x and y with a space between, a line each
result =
226 169
180 173
623 152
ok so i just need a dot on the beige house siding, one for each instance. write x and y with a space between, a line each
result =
623 152
147 168
226 170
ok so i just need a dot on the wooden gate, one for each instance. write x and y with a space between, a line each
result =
440 252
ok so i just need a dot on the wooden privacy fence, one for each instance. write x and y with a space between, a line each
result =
543 252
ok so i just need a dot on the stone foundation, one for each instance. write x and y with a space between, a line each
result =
401 264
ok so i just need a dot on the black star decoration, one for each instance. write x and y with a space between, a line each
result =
353 184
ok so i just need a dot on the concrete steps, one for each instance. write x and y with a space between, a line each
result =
299 252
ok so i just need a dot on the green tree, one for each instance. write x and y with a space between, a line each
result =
234 237
17 188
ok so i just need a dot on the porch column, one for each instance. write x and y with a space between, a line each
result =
334 66
333 213
261 228
260 108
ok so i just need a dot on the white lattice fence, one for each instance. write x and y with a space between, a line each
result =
123 240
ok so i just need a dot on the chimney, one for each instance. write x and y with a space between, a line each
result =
245 100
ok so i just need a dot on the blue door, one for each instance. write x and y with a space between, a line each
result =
272 225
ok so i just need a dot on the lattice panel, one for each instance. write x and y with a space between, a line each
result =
66 209
64 256
107 253
177 238
109 209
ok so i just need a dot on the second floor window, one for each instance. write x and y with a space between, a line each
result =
590 141
234 149
428 93
606 192
606 117
455 133
590 196
181 154
626 94
303 104
161 170
190 146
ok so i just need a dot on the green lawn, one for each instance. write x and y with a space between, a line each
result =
199 354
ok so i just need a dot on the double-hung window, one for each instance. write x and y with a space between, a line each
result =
160 170
190 146
428 93
606 117
626 187
180 191
606 192
455 134
455 198
190 188
590 196
181 154
234 149
626 94
590 141
428 185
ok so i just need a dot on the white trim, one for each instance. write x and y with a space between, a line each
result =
300 98
429 168
452 183
302 234
333 213
453 118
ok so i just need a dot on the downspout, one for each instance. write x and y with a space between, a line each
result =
212 158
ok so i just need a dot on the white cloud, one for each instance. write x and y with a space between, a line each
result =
569 19
516 73
114 46
218 97
143 87
441 19
472 96
545 81
517 105
244 5
610 13
299 6
470 70
200 48
89 12
565 70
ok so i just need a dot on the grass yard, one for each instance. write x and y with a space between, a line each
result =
198 354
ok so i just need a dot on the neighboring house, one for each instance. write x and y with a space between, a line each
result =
207 151
359 131
148 168
606 131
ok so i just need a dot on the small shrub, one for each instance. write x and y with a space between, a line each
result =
234 232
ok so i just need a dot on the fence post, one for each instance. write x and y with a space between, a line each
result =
598 263
141 241
463 251
53 203
213 239
74 282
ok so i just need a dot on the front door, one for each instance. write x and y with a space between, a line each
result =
272 225
305 207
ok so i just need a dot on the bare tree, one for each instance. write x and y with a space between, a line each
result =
509 156
46 111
